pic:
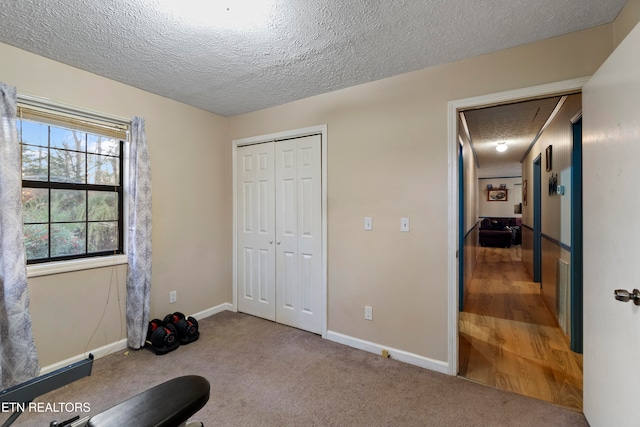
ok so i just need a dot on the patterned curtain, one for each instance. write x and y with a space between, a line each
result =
18 356
139 238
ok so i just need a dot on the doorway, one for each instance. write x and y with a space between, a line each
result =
453 108
509 97
280 227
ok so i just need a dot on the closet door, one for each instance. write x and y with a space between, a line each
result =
256 230
298 233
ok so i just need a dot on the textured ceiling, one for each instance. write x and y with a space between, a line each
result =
240 58
516 124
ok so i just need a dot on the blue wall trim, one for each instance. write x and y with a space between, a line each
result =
556 242
549 238
502 177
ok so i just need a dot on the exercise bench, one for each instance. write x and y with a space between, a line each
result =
169 404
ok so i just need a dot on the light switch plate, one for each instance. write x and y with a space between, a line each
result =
368 223
404 225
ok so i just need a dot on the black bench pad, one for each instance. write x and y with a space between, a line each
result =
166 405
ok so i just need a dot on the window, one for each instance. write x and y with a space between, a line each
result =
72 192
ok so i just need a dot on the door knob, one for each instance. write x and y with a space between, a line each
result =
624 296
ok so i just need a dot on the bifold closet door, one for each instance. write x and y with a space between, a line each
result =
298 233
256 230
279 226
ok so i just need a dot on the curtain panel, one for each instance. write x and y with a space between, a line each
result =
139 237
18 356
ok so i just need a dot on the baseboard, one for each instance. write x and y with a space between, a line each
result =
122 344
97 354
213 310
401 355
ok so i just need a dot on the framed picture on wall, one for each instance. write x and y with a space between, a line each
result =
524 192
549 157
497 195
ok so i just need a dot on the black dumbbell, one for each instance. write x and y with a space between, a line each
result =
162 336
187 327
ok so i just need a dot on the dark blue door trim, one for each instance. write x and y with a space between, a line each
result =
576 239
461 229
537 219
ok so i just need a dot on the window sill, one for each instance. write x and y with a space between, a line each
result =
75 265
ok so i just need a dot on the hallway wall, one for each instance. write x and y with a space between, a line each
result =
471 206
556 208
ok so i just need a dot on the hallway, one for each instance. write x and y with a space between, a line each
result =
509 339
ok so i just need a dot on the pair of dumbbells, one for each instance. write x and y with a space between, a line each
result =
187 327
166 335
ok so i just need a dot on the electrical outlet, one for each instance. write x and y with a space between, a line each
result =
173 297
368 313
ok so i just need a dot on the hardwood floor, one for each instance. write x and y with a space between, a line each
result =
508 337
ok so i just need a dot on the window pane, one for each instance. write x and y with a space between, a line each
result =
35 204
103 170
67 166
36 239
68 139
103 206
34 133
35 163
74 207
99 144
68 205
68 239
103 236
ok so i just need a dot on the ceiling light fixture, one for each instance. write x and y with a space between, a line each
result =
501 147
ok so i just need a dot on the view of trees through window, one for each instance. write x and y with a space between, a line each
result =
71 192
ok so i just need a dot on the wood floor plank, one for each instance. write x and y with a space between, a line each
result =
508 337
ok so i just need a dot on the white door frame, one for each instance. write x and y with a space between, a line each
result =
454 107
295 133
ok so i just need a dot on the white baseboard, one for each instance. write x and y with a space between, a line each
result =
122 344
401 355
213 310
97 354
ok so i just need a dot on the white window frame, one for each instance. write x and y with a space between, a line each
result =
56 267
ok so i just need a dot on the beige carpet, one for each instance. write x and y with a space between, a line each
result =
265 374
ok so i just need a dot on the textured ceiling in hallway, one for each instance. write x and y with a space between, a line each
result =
516 124
236 59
